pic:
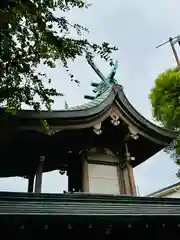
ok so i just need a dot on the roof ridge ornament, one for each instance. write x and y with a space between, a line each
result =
106 82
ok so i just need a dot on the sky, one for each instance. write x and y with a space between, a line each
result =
136 28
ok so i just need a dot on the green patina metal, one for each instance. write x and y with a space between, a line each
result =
106 82
95 102
101 90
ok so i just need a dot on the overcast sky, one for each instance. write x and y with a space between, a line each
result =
136 27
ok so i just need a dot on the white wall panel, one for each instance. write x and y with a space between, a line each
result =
103 179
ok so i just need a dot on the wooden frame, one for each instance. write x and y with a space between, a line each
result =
102 159
125 173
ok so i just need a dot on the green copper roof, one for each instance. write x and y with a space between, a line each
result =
101 90
94 102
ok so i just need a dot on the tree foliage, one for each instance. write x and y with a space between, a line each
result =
165 99
31 33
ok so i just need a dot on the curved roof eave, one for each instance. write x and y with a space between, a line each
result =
99 105
86 110
138 119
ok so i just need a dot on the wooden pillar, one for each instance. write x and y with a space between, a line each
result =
30 183
128 172
131 179
121 179
69 173
39 172
130 188
75 172
85 176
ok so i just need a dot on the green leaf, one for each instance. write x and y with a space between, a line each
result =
165 100
28 39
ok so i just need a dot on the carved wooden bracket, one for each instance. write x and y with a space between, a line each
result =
97 129
133 133
115 119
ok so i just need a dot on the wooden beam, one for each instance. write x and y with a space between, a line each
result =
30 183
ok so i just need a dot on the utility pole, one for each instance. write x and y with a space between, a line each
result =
174 51
172 42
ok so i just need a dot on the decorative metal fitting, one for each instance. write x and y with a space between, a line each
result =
128 155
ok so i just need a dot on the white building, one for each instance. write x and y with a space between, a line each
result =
172 191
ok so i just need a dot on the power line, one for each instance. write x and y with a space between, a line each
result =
162 44
172 42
